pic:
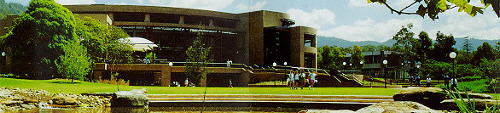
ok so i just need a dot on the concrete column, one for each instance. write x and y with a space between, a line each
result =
211 23
165 77
181 20
244 79
147 18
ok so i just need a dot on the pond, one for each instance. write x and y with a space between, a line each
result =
170 110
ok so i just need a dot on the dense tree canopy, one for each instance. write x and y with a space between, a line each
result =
443 47
43 39
432 8
485 51
405 43
104 43
425 46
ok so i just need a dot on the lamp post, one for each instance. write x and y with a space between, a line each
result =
285 63
453 55
383 72
274 64
344 64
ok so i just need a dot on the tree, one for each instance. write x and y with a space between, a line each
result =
73 64
467 46
485 51
425 46
197 58
432 8
357 57
104 43
330 57
443 47
405 43
43 39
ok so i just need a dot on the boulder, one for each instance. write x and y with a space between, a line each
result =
64 100
397 107
480 104
428 96
475 95
133 98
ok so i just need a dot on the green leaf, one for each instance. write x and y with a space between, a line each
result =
421 10
441 4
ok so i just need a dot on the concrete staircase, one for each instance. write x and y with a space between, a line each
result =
273 98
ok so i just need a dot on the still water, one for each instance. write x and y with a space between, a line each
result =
171 110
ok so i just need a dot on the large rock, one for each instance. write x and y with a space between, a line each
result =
429 96
397 107
64 100
133 98
480 104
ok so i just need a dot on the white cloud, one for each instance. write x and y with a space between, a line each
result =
459 24
73 2
358 3
317 18
195 4
257 6
371 30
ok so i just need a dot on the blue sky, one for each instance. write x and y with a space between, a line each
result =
353 20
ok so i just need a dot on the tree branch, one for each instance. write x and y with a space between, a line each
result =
401 11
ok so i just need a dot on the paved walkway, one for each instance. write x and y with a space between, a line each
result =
269 98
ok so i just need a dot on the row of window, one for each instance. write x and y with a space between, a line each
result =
174 18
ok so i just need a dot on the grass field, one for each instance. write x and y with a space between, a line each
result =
64 86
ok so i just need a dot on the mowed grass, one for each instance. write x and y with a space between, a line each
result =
64 86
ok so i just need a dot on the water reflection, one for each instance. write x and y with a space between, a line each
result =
169 110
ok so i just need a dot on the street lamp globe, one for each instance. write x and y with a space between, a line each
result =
361 62
453 55
274 64
350 64
285 63
418 66
3 53
344 63
170 64
385 62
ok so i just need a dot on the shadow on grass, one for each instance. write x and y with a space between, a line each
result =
64 82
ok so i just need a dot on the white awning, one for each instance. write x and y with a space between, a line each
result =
140 44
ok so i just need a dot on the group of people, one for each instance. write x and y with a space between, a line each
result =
447 81
415 80
301 79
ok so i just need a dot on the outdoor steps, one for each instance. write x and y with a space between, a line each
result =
273 98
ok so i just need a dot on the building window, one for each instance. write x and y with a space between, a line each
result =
129 17
309 40
165 18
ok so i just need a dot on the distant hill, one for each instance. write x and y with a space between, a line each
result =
334 41
10 8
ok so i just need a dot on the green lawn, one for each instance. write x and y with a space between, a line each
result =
63 86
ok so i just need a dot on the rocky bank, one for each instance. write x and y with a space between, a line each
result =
26 99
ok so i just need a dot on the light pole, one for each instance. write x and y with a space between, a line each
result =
453 55
383 72
344 64
285 63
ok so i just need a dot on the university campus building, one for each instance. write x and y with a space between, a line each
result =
258 38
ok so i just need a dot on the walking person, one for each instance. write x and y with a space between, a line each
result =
290 80
296 79
454 83
312 79
417 80
230 83
429 81
446 81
